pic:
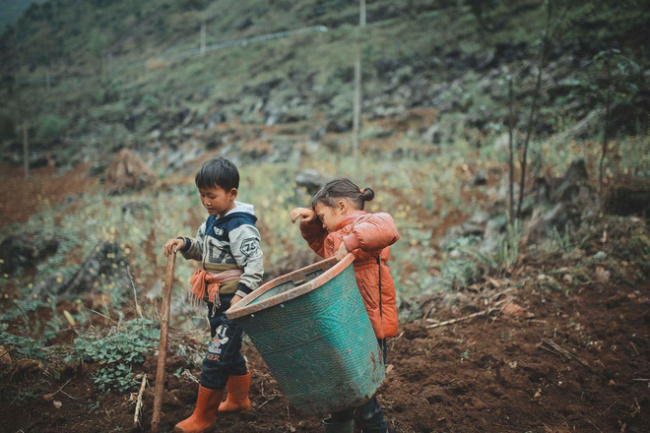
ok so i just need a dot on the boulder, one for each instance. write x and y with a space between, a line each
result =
562 201
311 180
628 195
23 252
106 264
339 125
480 178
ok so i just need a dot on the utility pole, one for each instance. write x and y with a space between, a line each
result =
26 150
202 37
356 122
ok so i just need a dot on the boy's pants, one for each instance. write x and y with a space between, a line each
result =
368 416
224 356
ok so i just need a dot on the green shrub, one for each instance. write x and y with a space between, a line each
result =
460 272
150 101
508 248
51 127
7 128
23 347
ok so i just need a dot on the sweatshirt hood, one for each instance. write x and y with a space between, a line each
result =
241 208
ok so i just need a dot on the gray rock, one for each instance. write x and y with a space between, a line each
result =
469 228
23 252
339 125
494 231
600 256
312 180
272 118
189 118
432 135
136 209
500 144
106 263
479 178
556 216
180 157
318 134
480 217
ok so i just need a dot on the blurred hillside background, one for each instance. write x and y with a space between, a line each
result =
271 85
497 133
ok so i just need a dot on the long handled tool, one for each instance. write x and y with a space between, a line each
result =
162 347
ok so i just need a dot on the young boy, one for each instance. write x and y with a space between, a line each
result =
228 247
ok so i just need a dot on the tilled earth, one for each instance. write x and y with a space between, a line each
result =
557 362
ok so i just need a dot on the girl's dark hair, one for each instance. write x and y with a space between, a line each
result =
217 172
342 188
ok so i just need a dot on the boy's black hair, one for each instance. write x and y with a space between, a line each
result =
342 188
217 172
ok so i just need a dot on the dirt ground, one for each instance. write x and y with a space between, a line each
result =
491 373
570 359
20 198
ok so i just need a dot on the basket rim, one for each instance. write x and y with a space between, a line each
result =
245 308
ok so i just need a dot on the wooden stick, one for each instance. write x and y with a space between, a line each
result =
162 347
49 397
461 319
138 405
563 351
135 294
103 315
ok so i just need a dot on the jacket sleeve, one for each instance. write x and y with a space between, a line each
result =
315 235
375 232
247 252
193 249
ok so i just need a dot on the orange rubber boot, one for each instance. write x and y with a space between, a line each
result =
237 398
205 413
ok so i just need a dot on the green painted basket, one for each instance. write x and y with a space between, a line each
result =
312 330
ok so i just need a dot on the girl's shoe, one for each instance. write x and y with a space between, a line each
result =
205 413
237 397
338 427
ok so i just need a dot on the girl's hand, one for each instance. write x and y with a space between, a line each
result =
235 299
306 214
342 252
173 245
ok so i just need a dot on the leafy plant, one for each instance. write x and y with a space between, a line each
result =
119 377
561 240
21 309
123 347
23 347
508 248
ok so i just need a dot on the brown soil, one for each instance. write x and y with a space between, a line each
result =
490 373
20 198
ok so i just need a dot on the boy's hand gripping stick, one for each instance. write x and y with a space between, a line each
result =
162 347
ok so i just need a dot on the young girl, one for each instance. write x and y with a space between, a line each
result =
335 225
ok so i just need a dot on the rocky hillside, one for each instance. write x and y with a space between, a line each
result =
88 78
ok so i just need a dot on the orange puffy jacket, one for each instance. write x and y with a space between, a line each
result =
367 236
